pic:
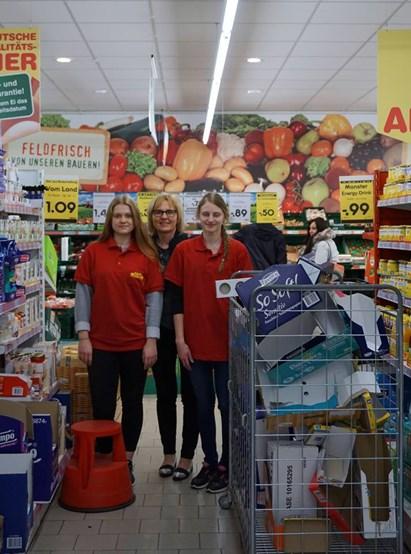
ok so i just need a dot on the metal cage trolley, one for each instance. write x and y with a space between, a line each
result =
315 416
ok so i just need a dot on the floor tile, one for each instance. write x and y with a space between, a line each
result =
55 542
159 525
50 527
81 527
199 499
143 512
228 525
140 541
162 500
220 540
56 512
199 525
115 514
181 541
124 526
214 511
179 512
96 542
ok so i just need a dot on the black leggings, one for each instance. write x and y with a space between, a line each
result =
164 371
104 373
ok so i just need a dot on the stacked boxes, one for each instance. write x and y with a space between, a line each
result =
72 372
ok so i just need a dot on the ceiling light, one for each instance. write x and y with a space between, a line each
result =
101 91
225 36
254 60
63 60
254 91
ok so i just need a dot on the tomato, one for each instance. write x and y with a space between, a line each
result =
321 148
114 184
117 166
132 183
340 163
118 146
290 204
254 153
306 204
88 188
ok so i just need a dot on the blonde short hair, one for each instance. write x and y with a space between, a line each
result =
175 204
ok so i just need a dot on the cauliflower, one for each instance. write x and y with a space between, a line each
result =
229 146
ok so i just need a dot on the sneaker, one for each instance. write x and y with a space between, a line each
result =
219 482
130 471
200 481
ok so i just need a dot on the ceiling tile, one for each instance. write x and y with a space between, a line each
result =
359 12
259 49
403 15
89 11
268 63
361 62
131 74
117 31
274 12
270 32
188 12
70 49
365 75
368 50
186 32
176 62
121 48
337 32
30 12
300 62
124 62
85 80
335 49
188 49
313 84
187 74
57 32
80 62
130 84
367 102
305 74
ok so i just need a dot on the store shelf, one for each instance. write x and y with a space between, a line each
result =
401 203
73 233
338 232
6 307
35 287
394 245
29 245
391 297
393 362
19 209
11 344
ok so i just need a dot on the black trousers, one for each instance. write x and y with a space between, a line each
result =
106 369
164 371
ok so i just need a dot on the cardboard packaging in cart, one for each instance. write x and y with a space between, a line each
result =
16 427
16 502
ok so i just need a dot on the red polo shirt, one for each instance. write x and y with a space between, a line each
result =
120 281
195 268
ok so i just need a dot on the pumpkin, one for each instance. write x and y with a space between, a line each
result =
192 160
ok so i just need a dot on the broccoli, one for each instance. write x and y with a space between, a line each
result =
54 120
140 163
317 166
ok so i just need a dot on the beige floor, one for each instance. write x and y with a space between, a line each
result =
167 517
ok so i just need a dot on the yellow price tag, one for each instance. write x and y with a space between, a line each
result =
61 199
357 198
143 201
267 207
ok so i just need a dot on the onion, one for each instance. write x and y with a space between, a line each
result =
343 147
279 189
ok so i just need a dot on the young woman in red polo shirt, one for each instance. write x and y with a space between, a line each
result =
201 326
118 309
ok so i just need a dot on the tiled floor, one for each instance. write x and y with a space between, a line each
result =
167 517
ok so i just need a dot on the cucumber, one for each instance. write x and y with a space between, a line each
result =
132 130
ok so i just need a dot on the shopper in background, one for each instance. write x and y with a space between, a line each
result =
117 310
265 243
201 326
165 223
320 246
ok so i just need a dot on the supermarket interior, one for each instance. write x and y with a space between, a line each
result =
205 246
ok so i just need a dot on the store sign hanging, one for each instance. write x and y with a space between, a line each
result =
19 83
394 83
267 207
357 198
61 199
82 153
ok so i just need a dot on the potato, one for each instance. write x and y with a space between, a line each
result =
151 182
178 185
242 174
220 174
166 173
216 162
235 162
19 130
234 185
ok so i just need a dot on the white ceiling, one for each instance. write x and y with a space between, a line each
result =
317 55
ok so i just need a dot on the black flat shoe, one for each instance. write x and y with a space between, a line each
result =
166 470
180 473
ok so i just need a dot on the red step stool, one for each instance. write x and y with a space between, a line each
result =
92 483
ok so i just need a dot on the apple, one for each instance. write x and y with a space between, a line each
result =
363 132
315 191
254 153
330 205
277 170
145 145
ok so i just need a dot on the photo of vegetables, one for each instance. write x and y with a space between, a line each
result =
301 160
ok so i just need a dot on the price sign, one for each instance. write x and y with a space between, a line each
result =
101 201
239 205
143 201
267 207
357 198
61 199
191 200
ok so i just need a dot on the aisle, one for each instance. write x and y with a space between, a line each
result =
167 517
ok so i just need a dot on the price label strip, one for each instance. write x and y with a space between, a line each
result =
143 201
191 200
267 207
61 199
239 205
101 201
357 198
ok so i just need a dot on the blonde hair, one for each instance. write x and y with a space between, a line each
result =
139 234
218 201
174 203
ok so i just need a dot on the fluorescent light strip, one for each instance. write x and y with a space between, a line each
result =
228 22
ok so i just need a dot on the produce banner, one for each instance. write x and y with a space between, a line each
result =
300 160
19 83
394 83
61 199
81 153
357 198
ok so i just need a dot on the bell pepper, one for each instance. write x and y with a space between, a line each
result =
192 160
171 152
278 142
334 126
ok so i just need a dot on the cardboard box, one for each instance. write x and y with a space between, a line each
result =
337 455
303 535
291 470
16 502
15 427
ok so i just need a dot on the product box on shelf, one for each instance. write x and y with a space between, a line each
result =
16 427
16 501
14 385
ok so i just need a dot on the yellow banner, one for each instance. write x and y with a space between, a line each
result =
394 84
143 202
267 207
357 198
19 82
61 199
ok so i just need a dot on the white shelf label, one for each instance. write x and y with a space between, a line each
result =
101 201
239 205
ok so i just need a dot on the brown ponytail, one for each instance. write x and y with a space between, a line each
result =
226 248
